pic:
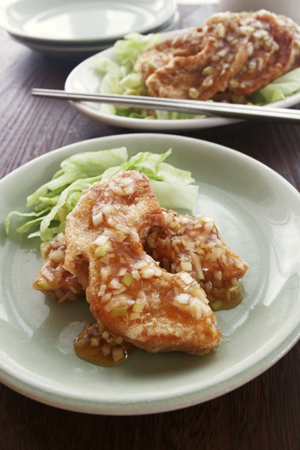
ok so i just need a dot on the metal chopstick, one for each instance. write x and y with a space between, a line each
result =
220 109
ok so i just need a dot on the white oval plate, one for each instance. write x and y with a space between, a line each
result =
83 21
258 214
83 79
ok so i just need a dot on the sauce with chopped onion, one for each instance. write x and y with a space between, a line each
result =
230 299
101 348
194 245
53 279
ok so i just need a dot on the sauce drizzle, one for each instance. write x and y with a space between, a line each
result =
101 348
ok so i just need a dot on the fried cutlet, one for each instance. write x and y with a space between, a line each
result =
271 53
202 75
53 279
128 292
194 245
190 42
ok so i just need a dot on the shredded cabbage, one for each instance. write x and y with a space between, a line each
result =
120 78
55 199
279 89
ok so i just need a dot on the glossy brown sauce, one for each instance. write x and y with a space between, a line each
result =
91 346
226 297
226 303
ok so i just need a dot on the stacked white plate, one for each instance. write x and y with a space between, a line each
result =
76 29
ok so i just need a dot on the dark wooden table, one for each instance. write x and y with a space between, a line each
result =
263 414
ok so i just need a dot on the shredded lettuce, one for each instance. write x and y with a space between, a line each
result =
77 167
128 49
53 201
120 78
279 89
169 194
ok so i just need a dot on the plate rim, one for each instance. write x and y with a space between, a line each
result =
80 52
19 33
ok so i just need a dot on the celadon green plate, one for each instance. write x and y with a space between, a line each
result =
258 215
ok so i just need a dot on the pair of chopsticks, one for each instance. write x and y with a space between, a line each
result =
197 107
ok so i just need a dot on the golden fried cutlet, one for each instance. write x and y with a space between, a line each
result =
202 75
190 42
53 279
128 292
231 55
194 245
295 30
271 53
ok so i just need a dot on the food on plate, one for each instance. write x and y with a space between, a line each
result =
97 346
153 277
241 52
128 292
53 279
55 199
202 75
270 53
194 245
181 243
189 42
231 57
273 49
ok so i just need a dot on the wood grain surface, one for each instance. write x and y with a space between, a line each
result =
261 415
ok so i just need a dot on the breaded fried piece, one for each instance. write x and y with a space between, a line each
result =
194 245
53 279
202 75
271 53
129 294
188 43
111 203
295 30
231 55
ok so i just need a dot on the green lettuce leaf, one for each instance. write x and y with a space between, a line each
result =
171 197
128 49
77 167
279 89
55 199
